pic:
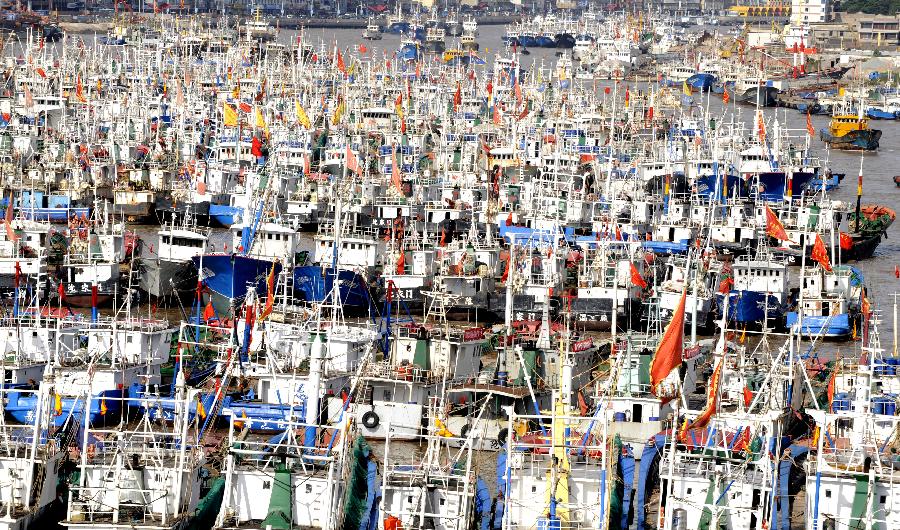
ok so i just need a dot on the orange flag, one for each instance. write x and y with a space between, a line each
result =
270 296
669 353
496 118
809 126
761 127
774 228
712 395
820 254
401 263
396 180
726 97
457 97
79 90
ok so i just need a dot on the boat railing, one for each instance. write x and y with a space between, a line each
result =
403 372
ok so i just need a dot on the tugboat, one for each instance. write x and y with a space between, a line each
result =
850 132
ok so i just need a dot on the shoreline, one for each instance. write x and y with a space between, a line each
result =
102 25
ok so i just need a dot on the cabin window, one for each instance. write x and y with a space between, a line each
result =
444 501
409 499
533 489
883 499
827 494
387 395
267 485
129 339
309 488
689 490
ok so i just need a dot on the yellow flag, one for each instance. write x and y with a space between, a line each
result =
302 118
261 121
57 405
236 93
230 115
338 113
841 91
686 88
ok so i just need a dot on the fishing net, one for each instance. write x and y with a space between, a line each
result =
355 505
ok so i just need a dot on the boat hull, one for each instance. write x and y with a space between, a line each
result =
228 277
862 140
161 278
833 327
748 307
314 284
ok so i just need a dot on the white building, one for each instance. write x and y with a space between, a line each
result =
804 12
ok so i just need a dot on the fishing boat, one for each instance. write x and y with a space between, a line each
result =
847 131
172 272
149 476
372 31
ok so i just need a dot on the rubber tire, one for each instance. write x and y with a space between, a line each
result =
371 420
502 436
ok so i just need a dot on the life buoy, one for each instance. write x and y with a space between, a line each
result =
370 419
502 435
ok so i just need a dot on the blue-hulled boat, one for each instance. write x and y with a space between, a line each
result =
105 404
313 284
546 41
409 50
702 81
830 326
228 276
879 114
749 307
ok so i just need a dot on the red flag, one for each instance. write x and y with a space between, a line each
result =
245 107
809 126
669 353
61 290
490 88
506 269
256 147
820 254
457 97
496 118
726 97
896 271
846 241
524 112
830 390
636 278
209 313
401 263
41 72
774 228
352 163
748 397
509 219
443 237
618 234
340 63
